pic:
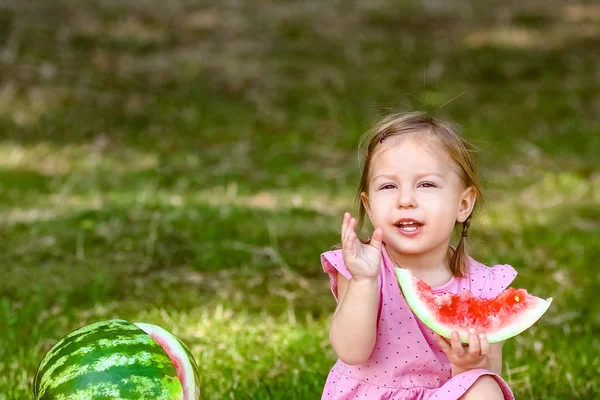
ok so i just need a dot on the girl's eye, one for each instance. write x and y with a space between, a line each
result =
427 184
388 186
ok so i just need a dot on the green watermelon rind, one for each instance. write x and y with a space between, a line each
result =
191 389
525 320
76 366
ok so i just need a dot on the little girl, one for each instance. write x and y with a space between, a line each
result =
418 182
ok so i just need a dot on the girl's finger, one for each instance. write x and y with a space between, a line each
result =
350 229
457 347
485 346
474 347
345 225
347 228
377 238
350 236
443 342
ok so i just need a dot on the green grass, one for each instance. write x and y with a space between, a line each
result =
186 167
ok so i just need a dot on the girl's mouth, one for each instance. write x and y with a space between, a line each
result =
409 228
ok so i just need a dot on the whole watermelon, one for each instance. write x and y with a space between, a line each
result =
117 359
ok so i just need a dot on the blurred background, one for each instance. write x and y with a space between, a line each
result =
184 163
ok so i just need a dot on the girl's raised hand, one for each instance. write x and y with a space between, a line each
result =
362 260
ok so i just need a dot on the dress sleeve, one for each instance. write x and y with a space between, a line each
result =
495 280
333 263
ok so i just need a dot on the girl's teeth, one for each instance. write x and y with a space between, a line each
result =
409 228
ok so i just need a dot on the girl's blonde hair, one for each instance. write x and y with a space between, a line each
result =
445 134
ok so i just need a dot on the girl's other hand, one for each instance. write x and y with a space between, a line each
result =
464 357
362 260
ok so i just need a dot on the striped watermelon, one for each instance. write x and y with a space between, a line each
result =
117 359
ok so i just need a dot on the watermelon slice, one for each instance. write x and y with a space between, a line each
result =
117 359
500 318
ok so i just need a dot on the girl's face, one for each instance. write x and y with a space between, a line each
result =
416 195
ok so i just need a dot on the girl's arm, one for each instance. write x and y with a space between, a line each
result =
495 358
354 326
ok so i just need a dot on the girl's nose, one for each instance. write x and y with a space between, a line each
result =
406 199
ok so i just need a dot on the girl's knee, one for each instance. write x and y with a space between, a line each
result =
484 388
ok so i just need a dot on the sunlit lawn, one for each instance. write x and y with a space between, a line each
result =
187 168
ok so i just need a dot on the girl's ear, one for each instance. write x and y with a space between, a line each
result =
467 203
365 202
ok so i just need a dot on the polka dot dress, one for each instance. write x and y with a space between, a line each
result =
407 363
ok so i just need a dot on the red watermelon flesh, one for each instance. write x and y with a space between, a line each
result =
499 318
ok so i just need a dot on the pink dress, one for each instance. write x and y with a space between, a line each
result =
407 363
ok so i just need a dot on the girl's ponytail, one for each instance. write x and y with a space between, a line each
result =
458 264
